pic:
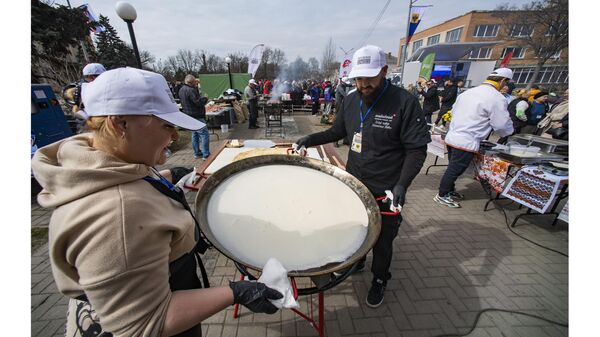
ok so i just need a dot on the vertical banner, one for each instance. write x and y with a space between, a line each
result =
254 58
506 59
346 65
96 27
416 14
427 66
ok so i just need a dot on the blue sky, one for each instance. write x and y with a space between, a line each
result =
299 28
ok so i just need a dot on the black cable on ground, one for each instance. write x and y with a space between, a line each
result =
481 312
524 238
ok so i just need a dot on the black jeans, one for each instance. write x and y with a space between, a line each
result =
315 107
459 160
384 249
442 111
253 110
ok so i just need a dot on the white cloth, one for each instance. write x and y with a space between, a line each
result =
274 276
474 114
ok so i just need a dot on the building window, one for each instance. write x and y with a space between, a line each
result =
417 45
454 35
519 30
518 52
433 40
481 53
486 31
543 51
562 27
549 75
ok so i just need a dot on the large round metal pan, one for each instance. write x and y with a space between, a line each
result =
365 196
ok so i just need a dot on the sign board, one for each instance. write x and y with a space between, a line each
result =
411 73
479 71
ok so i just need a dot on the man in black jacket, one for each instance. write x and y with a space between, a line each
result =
448 98
193 105
388 135
431 101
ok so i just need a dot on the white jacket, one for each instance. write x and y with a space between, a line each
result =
474 114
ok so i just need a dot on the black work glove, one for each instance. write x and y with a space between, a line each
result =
399 193
302 142
255 296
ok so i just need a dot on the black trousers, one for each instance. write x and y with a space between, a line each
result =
442 111
383 250
315 107
253 110
458 162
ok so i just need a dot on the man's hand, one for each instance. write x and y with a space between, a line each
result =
302 142
399 193
255 296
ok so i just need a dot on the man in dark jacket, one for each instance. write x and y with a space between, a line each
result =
315 92
389 137
448 98
431 101
193 104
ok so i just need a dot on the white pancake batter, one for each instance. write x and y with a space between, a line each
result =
300 216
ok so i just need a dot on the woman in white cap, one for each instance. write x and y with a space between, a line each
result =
122 238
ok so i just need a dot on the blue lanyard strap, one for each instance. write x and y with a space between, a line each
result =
364 116
163 180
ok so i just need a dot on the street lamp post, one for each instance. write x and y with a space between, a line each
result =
127 12
228 61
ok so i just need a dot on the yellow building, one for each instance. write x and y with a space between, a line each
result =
483 33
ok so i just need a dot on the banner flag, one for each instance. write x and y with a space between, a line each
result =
254 58
416 14
427 66
346 65
96 27
506 59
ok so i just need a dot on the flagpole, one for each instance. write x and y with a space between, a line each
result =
410 3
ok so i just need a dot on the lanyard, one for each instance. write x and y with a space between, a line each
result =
162 180
364 117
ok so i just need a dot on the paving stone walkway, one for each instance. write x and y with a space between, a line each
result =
448 265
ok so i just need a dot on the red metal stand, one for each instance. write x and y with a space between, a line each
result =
320 326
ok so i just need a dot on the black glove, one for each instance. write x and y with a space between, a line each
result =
303 142
255 296
399 193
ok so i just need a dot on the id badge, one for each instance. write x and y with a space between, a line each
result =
356 142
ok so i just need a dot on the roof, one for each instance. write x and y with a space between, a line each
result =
448 51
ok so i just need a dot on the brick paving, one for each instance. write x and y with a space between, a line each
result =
448 265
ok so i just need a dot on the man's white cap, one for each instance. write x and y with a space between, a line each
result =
251 81
93 69
132 91
346 80
502 72
367 62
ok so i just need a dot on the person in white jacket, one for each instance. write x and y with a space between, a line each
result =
475 114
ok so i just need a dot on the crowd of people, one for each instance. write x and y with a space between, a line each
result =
124 244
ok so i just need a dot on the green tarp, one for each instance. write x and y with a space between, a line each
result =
213 85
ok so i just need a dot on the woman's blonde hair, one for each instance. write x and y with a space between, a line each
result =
101 128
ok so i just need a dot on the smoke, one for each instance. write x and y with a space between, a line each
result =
283 83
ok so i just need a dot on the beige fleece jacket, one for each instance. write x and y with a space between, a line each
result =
112 235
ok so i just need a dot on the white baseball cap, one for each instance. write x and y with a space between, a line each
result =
132 91
367 62
93 69
251 81
503 72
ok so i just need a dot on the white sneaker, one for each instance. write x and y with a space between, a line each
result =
446 201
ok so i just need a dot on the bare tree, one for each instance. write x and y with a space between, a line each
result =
313 68
328 59
188 61
239 62
542 26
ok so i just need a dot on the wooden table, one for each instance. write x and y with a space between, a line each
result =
325 150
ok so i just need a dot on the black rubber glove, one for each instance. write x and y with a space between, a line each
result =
399 193
255 296
302 142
